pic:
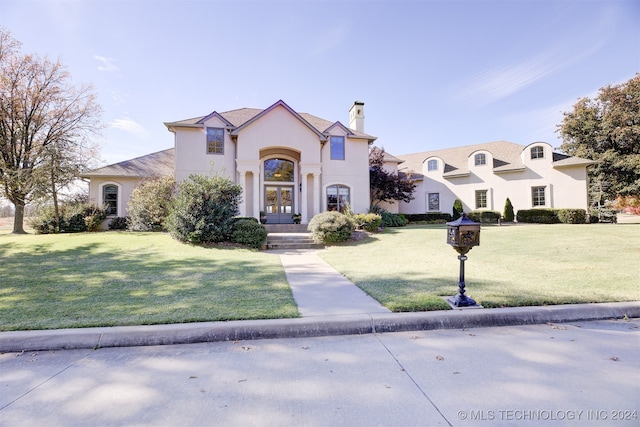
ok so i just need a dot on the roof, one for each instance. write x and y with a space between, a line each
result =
243 116
506 158
160 163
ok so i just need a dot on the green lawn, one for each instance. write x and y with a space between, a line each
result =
119 278
410 268
97 279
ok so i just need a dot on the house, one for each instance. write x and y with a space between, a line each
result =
286 162
289 162
483 176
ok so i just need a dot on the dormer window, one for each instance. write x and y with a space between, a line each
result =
432 165
537 152
480 159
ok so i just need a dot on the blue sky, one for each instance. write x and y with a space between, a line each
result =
432 74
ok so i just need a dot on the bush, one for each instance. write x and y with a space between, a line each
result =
203 210
330 227
433 217
457 209
149 204
572 216
508 215
118 223
538 216
393 220
74 218
485 217
249 232
369 222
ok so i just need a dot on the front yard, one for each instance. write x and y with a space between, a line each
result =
121 278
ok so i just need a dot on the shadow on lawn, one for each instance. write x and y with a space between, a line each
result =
92 284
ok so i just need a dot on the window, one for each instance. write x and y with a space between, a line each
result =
433 201
337 198
537 152
480 159
337 148
278 170
110 199
432 165
481 199
538 196
215 141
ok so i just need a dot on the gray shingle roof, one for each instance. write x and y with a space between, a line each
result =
155 164
506 158
240 116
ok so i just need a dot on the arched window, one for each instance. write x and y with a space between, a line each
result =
338 197
110 199
432 165
278 170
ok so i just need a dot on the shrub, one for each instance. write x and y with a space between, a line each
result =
330 227
203 210
369 222
508 215
485 217
433 217
393 220
74 218
458 209
594 216
118 223
538 216
572 216
149 204
249 232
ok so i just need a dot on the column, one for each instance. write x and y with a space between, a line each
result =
304 197
243 184
316 194
256 194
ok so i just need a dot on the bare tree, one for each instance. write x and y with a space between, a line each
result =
45 122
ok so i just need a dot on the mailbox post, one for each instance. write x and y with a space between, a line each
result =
462 234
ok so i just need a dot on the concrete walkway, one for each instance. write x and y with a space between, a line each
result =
319 290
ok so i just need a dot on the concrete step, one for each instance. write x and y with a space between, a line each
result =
291 241
286 228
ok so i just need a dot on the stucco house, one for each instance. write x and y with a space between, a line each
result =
289 162
286 162
483 176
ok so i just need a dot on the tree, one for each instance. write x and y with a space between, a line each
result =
607 130
386 186
508 214
45 122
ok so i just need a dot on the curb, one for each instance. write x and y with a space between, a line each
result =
188 333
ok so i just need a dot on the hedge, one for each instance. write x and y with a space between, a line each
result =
429 217
552 216
485 217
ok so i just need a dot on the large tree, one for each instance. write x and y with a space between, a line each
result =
607 129
386 186
45 122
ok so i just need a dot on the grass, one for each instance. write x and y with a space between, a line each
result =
105 279
119 278
411 268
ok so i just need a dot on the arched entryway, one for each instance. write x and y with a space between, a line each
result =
279 190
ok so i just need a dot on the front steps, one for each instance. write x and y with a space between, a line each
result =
289 236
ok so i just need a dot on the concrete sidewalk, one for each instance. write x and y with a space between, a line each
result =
329 305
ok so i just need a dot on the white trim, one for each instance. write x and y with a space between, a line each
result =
120 198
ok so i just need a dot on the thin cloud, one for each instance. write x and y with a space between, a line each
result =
127 125
106 64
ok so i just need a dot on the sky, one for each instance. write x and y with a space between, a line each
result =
433 74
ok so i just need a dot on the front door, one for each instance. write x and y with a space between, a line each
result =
279 204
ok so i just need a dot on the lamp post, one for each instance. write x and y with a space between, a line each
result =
462 234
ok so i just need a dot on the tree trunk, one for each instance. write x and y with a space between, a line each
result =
56 209
18 219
